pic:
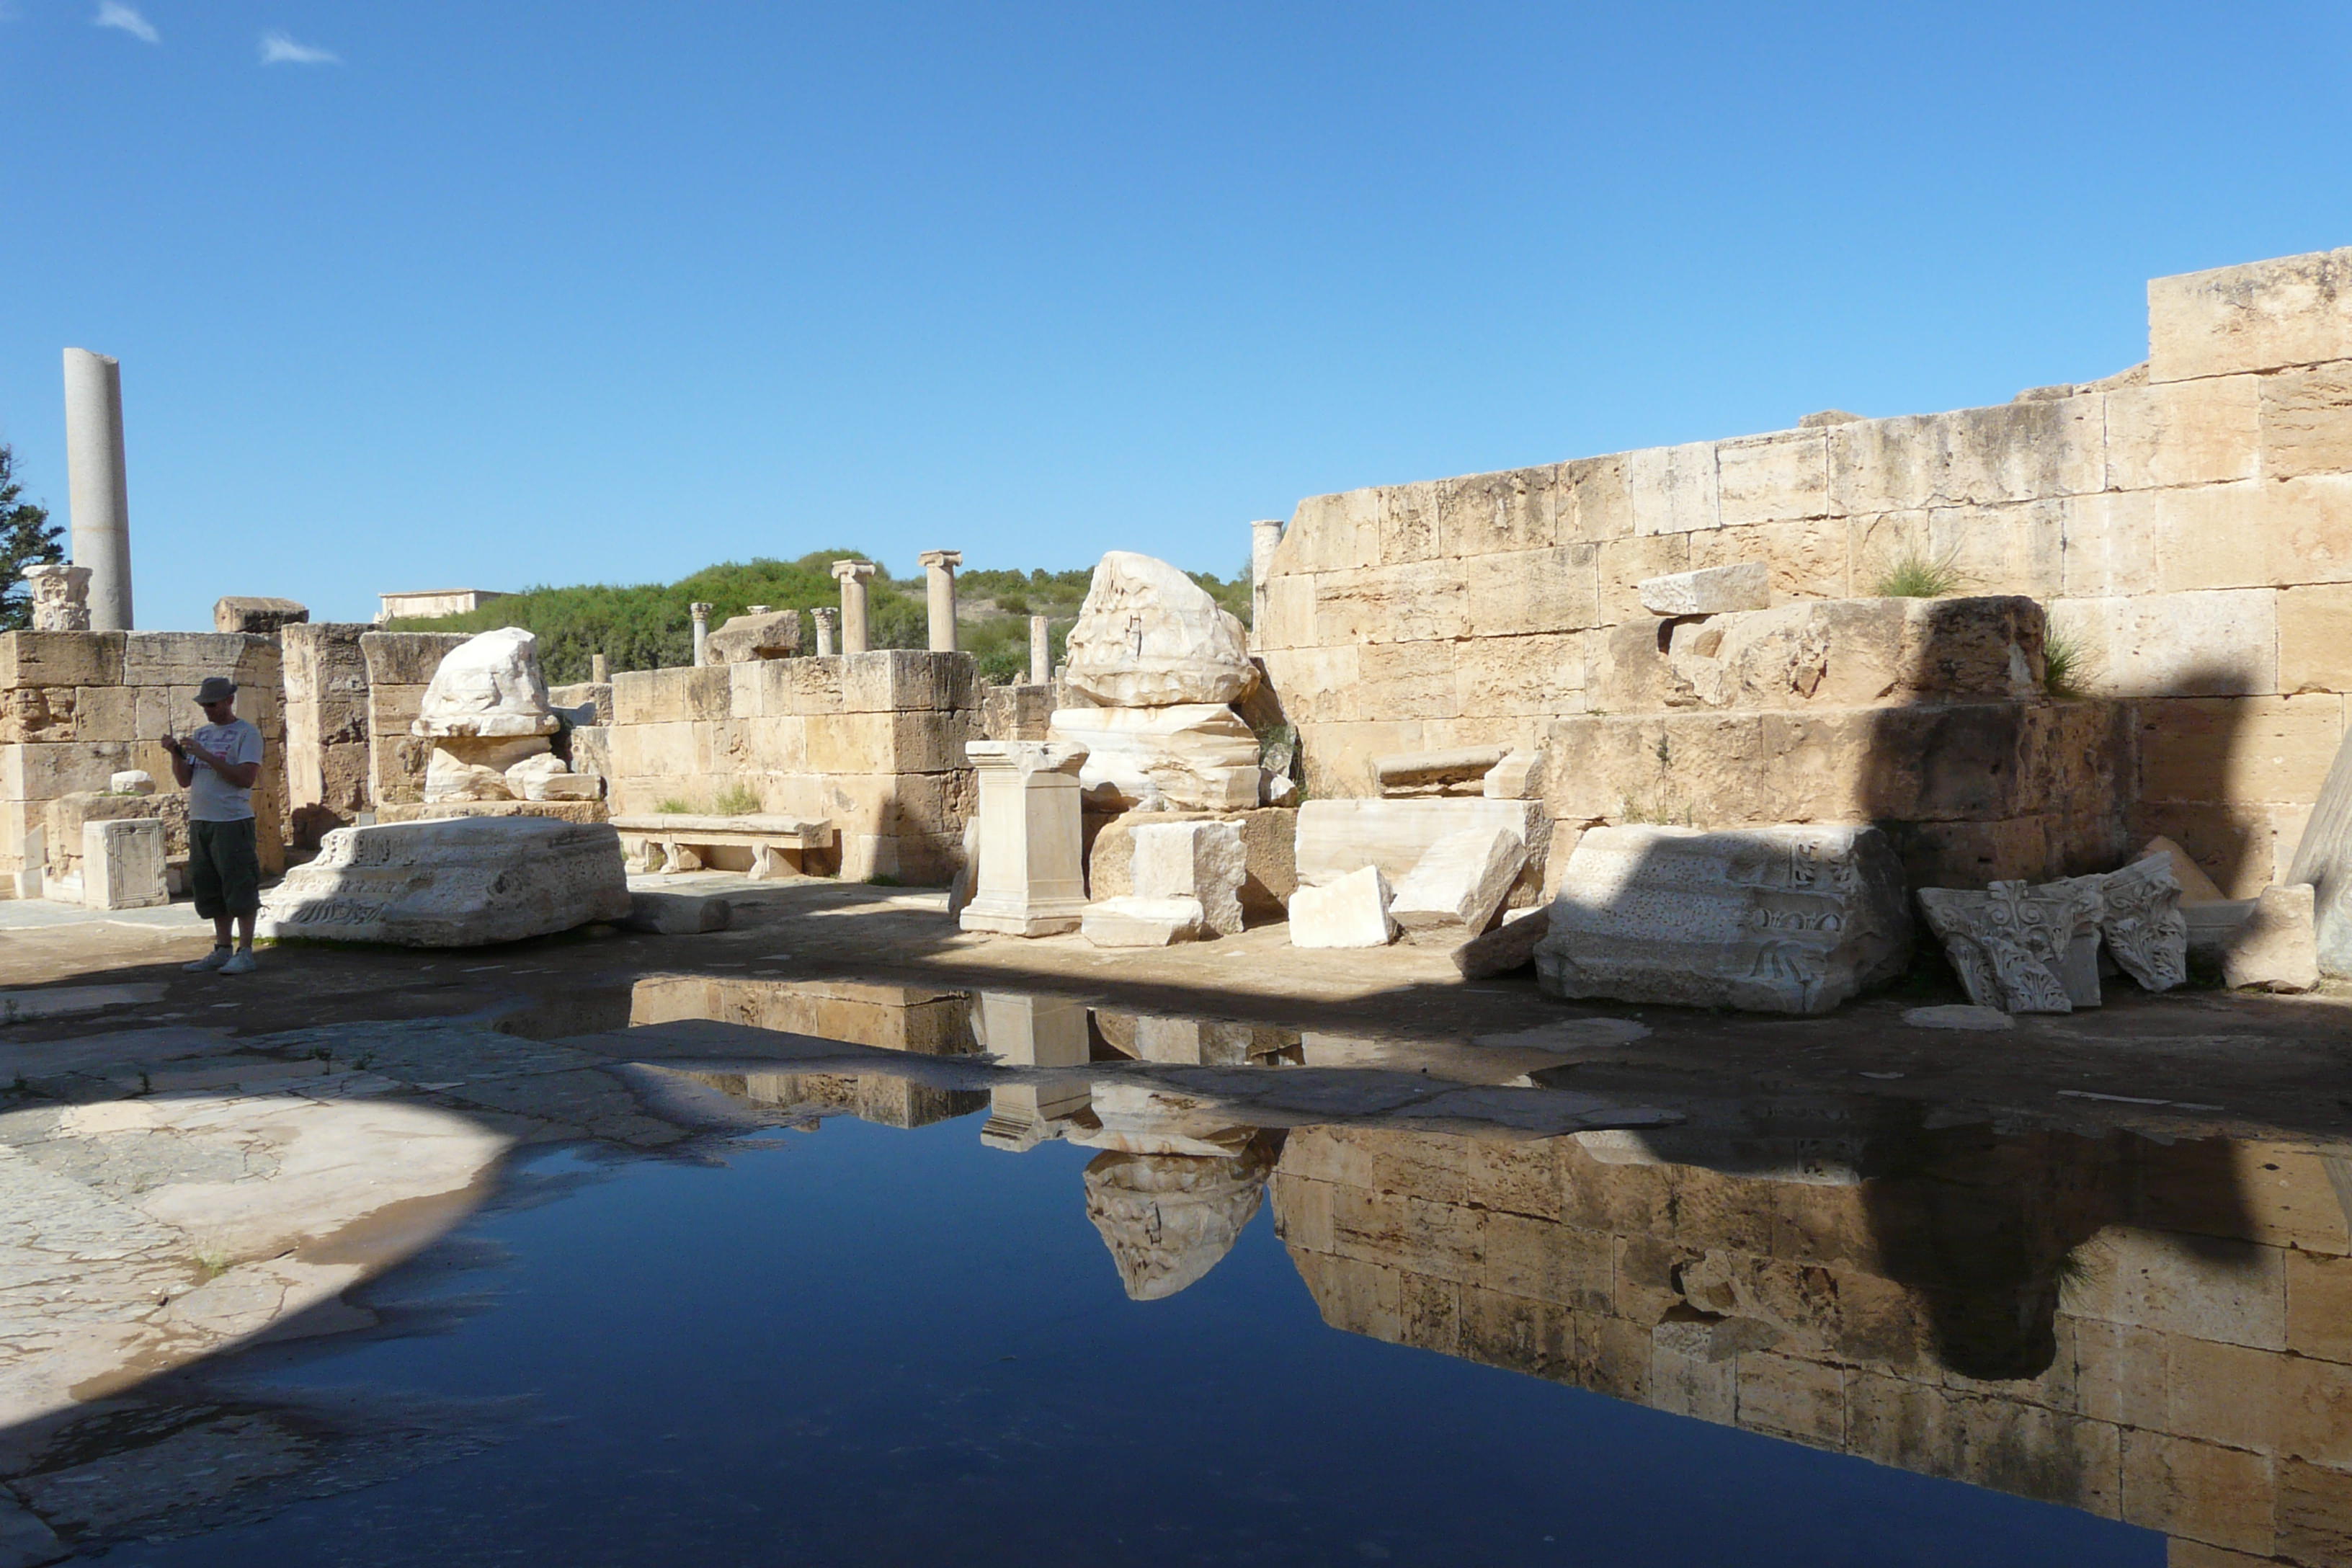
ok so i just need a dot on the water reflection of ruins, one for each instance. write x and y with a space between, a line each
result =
2159 1333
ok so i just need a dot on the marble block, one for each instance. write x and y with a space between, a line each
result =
1352 911
1032 877
1194 755
2277 947
1460 881
1150 637
123 864
132 780
1461 771
489 685
1135 922
1509 946
1710 591
773 634
1518 776
1338 837
1778 919
1203 861
461 881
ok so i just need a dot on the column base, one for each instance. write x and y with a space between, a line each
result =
1036 917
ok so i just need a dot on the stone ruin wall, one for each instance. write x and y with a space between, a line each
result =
2189 524
76 707
2193 1378
874 742
327 747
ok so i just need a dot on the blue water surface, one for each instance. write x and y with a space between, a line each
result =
875 1346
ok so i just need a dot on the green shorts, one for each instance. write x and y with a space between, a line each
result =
223 871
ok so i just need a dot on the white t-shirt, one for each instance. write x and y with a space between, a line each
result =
212 798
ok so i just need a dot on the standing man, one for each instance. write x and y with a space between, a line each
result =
217 766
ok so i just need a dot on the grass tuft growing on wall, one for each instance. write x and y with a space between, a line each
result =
2065 663
1915 574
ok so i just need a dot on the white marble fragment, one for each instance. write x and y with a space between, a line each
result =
2277 947
489 685
1193 756
1352 911
1203 861
1150 637
132 780
1132 920
1334 837
1460 881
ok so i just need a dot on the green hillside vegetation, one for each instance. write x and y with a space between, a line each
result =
648 626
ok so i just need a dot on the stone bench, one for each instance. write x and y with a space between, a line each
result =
665 841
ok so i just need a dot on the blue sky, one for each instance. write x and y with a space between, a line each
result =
506 293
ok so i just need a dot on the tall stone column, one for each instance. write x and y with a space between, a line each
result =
1032 860
939 567
1264 534
599 670
1041 659
701 614
99 485
852 575
824 615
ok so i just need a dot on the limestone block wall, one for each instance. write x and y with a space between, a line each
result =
76 707
2187 1371
2188 524
326 726
872 741
399 666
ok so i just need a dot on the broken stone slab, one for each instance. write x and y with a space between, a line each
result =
2323 859
1352 911
1203 861
68 1001
1460 881
1150 637
1191 755
132 780
528 779
1509 946
1781 920
1959 1016
1340 836
1709 591
677 914
462 881
1457 772
1518 776
775 634
123 864
489 685
471 767
2277 947
1132 920
2214 925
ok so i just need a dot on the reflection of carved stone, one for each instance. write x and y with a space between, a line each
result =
1783 920
1168 1219
2027 949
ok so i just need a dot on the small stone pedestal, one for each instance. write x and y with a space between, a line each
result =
123 864
1032 855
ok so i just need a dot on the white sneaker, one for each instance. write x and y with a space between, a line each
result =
241 964
216 959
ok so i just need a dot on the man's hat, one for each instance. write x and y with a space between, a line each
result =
216 689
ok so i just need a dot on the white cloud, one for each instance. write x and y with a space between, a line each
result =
277 49
115 13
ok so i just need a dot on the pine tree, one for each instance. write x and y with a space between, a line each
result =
27 538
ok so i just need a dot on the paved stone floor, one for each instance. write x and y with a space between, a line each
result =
190 1160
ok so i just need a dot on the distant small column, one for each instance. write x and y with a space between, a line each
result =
852 575
1032 857
598 670
1264 534
98 484
825 616
701 614
1041 663
940 565
757 609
